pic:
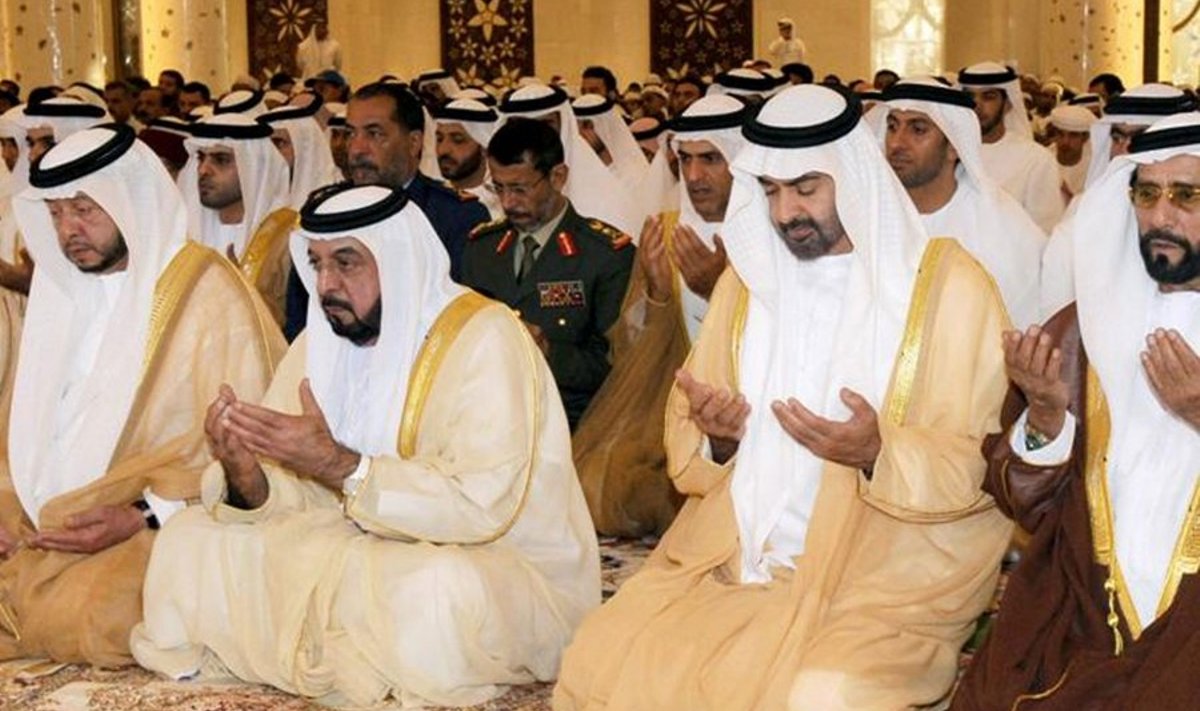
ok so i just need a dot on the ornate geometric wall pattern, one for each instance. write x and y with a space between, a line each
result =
704 37
276 28
487 42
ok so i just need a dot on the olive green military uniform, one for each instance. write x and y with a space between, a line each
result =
573 292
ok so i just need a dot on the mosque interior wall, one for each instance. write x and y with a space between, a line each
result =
51 41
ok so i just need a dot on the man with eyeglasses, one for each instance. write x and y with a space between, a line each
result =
1101 456
564 273
1125 116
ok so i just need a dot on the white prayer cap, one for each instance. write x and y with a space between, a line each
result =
802 130
313 161
64 115
1072 118
991 75
743 82
785 22
652 80
124 177
248 103
414 287
262 173
477 119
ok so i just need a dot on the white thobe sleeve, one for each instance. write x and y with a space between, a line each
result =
163 509
1055 453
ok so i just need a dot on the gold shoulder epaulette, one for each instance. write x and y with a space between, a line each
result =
485 227
616 238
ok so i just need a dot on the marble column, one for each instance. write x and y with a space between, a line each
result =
1083 38
204 39
55 41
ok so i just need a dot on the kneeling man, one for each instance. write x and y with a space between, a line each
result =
130 331
400 517
834 549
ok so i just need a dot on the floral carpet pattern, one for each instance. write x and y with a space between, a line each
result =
26 686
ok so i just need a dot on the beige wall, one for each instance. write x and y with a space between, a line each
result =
992 30
379 37
402 37
571 34
837 34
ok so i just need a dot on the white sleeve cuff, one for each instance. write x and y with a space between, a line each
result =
1056 453
350 485
163 509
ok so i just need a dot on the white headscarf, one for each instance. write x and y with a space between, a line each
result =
476 118
592 189
744 82
990 75
361 389
629 163
243 101
314 167
440 78
658 191
1139 106
64 114
775 479
12 125
1153 456
996 229
12 182
717 119
262 172
137 193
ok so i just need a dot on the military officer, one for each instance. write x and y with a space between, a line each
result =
565 274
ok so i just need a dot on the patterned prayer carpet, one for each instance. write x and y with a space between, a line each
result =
41 687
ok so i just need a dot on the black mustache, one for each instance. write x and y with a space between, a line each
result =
799 223
1164 235
331 302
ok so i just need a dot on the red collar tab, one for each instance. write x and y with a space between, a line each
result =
506 242
566 244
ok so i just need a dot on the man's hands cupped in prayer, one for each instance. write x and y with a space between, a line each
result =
721 416
1034 365
239 433
854 443
1173 369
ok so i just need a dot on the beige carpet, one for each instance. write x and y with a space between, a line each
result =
26 686
40 687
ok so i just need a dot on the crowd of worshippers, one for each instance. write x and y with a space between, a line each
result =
333 390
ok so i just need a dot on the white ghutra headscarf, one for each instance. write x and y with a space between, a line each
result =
813 326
